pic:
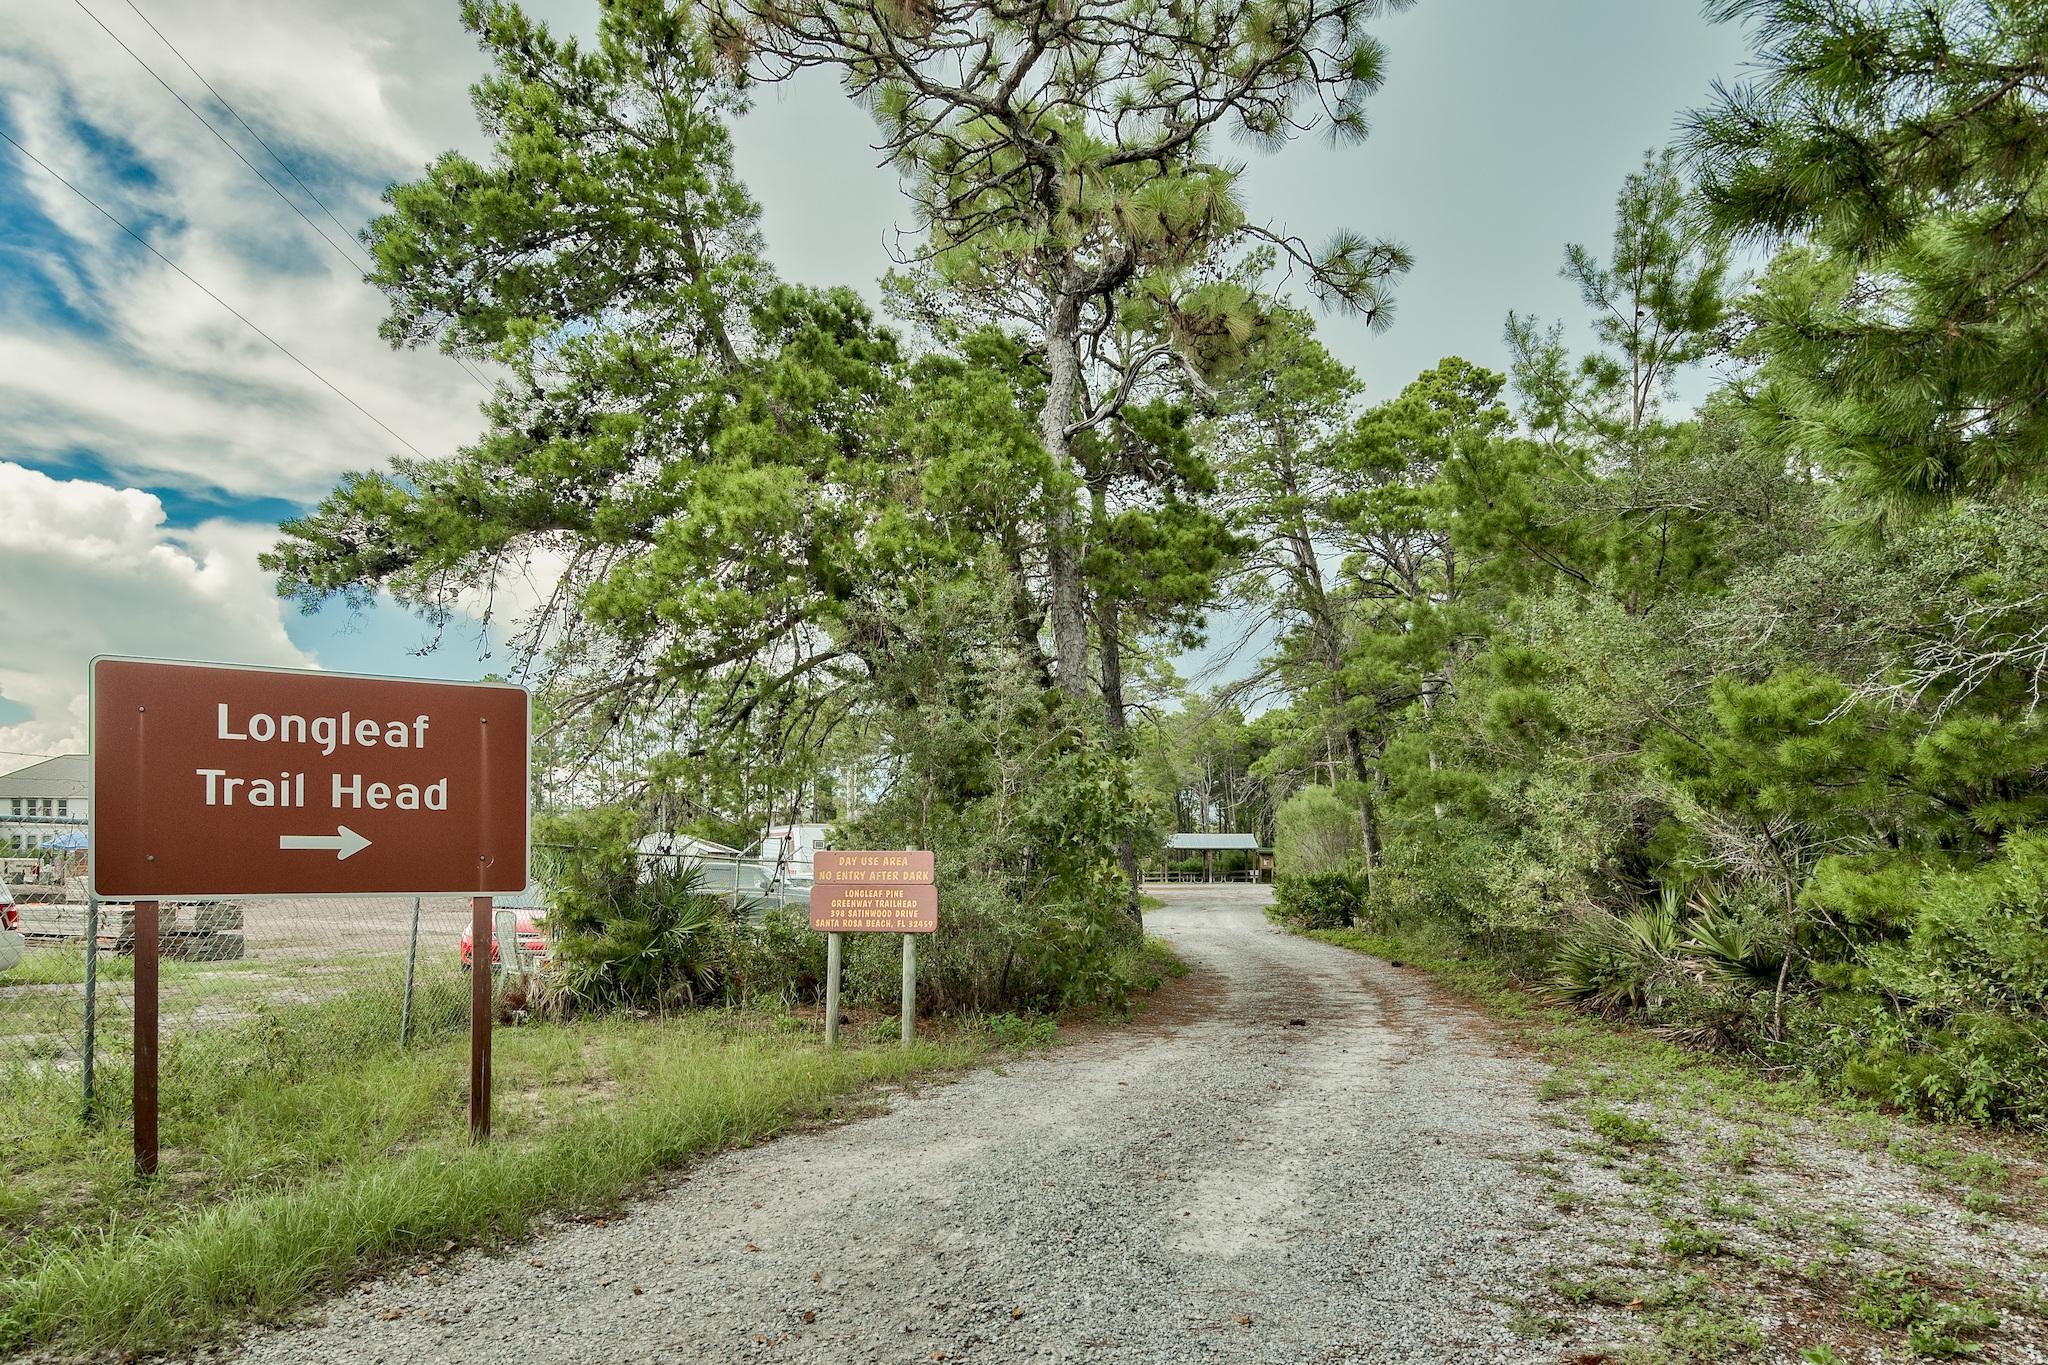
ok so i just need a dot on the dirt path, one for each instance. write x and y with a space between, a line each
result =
1303 1154
1299 1159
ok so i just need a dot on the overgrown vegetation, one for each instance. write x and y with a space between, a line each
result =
1726 720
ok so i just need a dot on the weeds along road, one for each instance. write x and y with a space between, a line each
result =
1301 1154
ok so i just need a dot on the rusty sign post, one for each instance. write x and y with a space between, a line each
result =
886 891
221 782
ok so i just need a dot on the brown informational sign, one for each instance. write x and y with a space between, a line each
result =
873 866
211 780
856 908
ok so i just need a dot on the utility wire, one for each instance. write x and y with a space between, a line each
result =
284 165
237 116
353 262
147 246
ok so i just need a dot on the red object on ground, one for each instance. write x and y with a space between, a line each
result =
531 939
10 917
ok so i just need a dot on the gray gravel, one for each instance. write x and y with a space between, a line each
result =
1216 1183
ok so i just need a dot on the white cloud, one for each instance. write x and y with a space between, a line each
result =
92 570
159 381
118 357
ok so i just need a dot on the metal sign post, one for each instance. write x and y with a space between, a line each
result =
909 987
218 782
831 990
479 1019
146 1035
92 978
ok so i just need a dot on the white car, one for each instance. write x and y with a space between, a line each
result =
12 944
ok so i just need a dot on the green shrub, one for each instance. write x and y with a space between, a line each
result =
1950 1016
1614 964
659 943
1024 813
777 957
1321 900
629 933
1013 1031
1316 831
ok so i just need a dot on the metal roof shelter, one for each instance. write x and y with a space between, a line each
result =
1209 845
1214 843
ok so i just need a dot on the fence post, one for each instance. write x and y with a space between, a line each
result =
92 975
412 956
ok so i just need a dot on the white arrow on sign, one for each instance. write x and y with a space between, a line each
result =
344 841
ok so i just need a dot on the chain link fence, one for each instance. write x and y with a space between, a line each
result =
231 971
254 976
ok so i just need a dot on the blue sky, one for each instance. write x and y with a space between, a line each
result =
149 443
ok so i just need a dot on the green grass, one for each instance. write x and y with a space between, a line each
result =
1934 1326
303 1148
64 965
1623 1129
1152 963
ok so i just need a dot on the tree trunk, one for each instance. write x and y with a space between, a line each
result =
1354 745
1063 550
1308 577
1109 625
1027 617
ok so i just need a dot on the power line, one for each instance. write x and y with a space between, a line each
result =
237 116
351 261
284 165
147 246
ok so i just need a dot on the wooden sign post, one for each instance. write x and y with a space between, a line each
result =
218 782
873 891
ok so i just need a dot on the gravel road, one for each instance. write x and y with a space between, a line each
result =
1301 1155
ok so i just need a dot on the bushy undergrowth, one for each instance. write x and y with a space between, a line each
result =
1026 811
1321 900
634 933
1923 988
1315 832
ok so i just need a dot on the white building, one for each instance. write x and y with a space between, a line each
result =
44 803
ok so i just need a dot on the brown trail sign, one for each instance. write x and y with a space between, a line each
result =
873 891
873 867
212 781
216 781
841 908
